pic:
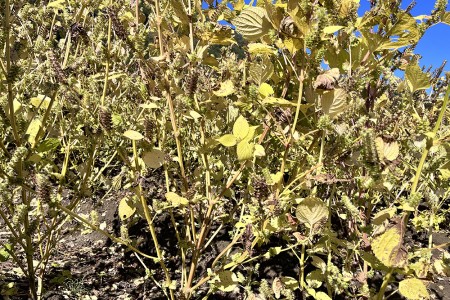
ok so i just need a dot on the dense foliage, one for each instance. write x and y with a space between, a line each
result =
290 129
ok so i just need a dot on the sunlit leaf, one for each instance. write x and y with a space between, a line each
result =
259 151
413 289
311 211
416 79
252 23
133 135
332 29
265 90
227 281
260 48
154 159
40 101
388 248
245 150
176 200
241 128
228 140
48 145
277 287
33 130
226 89
126 208
334 102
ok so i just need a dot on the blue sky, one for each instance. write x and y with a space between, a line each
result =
435 44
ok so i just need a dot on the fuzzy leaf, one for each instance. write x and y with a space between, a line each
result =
153 159
228 140
327 80
391 151
446 18
413 289
277 287
48 144
311 211
241 128
40 101
4 254
259 151
252 23
261 71
278 102
416 79
126 208
33 130
290 283
292 45
227 281
265 90
332 29
334 102
260 48
133 135
176 200
322 296
226 89
388 248
245 150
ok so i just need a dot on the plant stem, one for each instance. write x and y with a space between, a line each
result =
149 219
426 150
12 117
108 49
384 285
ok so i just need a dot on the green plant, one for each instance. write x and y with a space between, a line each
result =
245 127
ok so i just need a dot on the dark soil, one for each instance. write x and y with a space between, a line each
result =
87 265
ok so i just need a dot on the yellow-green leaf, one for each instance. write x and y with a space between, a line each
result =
227 281
154 159
260 48
228 140
292 45
265 90
252 23
311 211
332 29
133 135
413 289
259 150
391 151
245 150
176 200
33 130
59 4
126 208
241 128
40 101
446 18
334 102
226 89
416 79
278 102
388 248
48 144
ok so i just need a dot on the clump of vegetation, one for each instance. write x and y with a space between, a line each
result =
289 130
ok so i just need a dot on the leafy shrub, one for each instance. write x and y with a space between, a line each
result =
292 126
